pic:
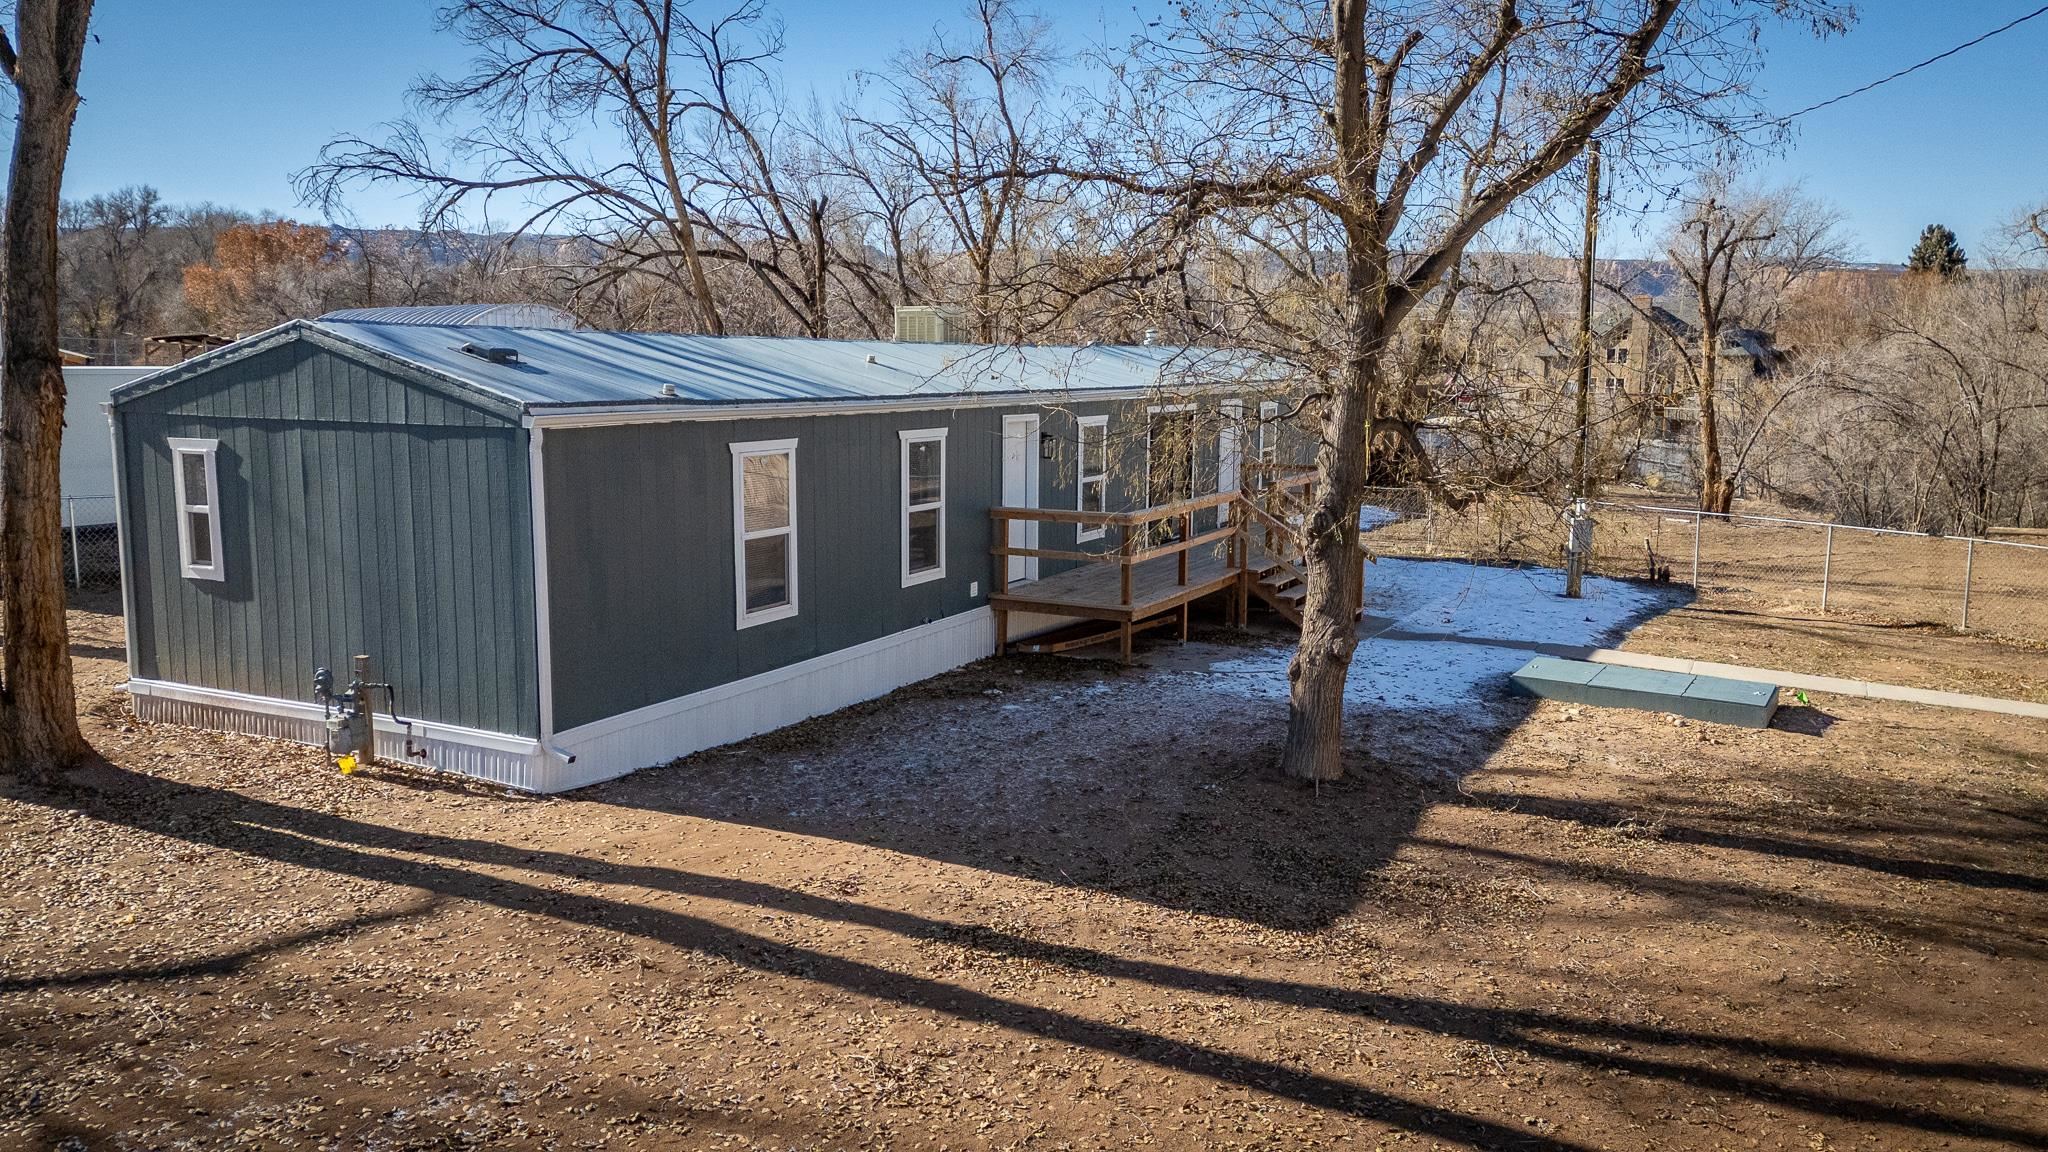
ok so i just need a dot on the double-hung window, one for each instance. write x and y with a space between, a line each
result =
764 530
197 487
1092 492
924 505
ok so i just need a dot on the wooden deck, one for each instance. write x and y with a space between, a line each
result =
1096 590
1133 584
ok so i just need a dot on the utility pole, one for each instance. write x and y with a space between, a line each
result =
1580 540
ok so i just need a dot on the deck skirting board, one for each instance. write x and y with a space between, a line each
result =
499 757
659 733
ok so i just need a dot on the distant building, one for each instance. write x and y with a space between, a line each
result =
1643 357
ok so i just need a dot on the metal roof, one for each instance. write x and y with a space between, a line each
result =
505 315
566 368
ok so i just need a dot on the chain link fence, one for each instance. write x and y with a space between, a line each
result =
92 543
1770 564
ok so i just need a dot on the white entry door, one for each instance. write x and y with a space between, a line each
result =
1229 454
1020 490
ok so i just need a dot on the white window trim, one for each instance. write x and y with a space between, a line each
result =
905 507
1082 532
182 447
740 536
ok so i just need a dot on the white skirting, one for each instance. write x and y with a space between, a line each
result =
515 761
616 745
663 732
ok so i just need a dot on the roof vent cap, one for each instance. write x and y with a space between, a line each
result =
668 392
495 355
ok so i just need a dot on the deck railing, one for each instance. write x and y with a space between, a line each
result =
1133 529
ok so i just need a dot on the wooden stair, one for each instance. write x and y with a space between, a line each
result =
1281 586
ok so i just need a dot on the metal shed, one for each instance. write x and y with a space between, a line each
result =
579 553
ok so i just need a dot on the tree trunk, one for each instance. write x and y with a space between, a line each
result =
1329 634
1717 492
821 317
1329 631
38 713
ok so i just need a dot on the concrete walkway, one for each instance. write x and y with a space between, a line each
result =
1810 683
1869 689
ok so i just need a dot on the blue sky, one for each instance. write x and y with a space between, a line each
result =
222 100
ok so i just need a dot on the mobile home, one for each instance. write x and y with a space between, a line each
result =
579 553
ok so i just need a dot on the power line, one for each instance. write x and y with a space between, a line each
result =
1788 118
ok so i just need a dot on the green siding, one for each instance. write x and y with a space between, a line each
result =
640 548
361 512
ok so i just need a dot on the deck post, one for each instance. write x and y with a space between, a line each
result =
1002 630
1183 621
1123 562
1187 533
1124 641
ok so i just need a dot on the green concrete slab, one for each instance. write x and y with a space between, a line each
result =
1713 698
1645 688
1555 679
1749 703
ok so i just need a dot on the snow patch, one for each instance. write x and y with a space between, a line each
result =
1465 605
1371 516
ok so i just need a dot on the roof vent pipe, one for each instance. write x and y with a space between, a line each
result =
668 392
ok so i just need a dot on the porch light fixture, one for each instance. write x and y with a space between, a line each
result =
1045 445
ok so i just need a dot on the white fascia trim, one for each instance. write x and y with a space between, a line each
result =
905 438
600 415
732 690
121 536
543 612
312 713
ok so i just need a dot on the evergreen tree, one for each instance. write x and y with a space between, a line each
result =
1938 252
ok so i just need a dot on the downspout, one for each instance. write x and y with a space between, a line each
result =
543 645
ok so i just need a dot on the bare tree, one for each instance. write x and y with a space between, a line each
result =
548 73
963 132
1741 252
1959 380
1366 147
116 267
38 712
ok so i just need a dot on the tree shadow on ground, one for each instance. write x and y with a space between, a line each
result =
1700 831
1078 777
639 901
1157 784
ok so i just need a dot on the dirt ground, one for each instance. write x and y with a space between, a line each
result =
1922 656
1045 904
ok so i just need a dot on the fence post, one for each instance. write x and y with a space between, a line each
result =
1827 561
1696 550
1969 565
71 508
